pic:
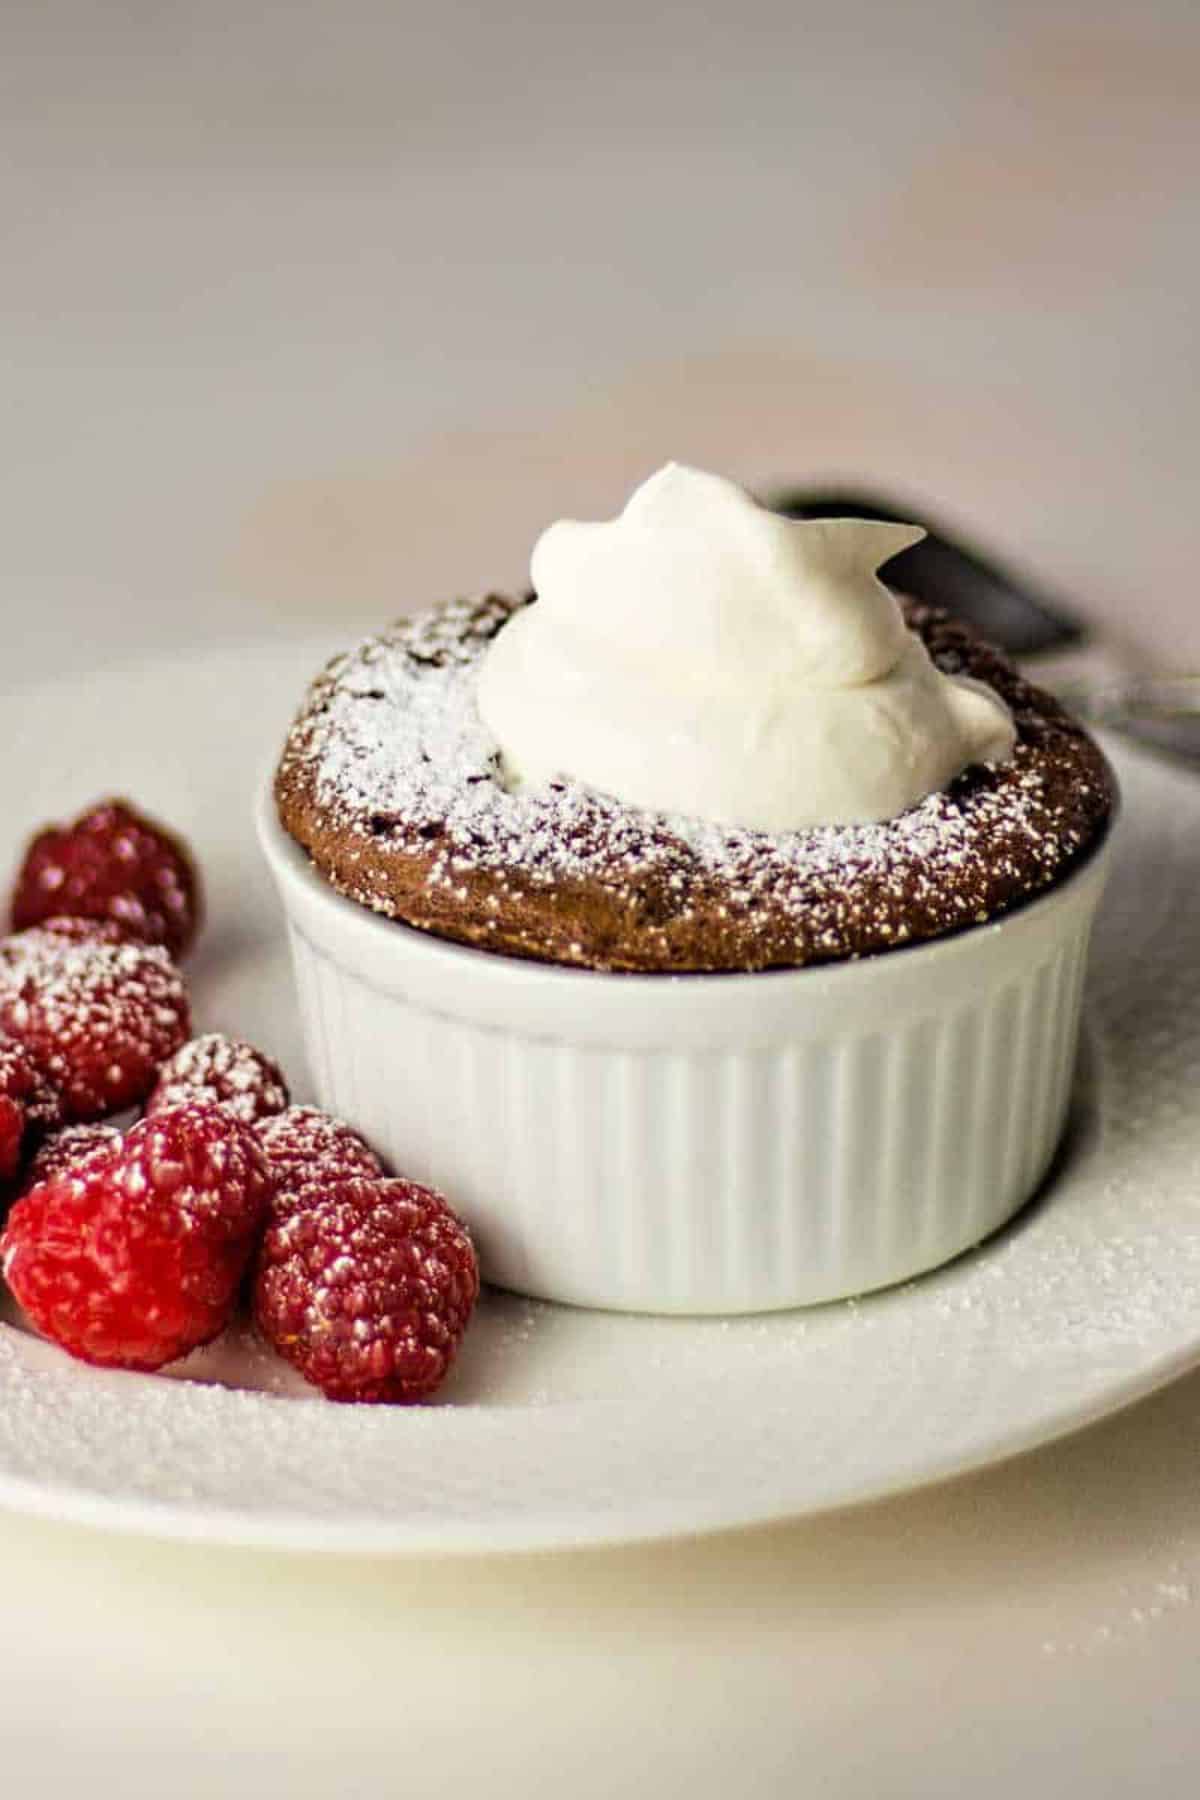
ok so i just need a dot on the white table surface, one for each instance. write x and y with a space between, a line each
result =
313 313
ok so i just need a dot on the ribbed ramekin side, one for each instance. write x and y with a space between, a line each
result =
712 1180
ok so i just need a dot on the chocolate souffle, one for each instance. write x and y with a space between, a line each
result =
392 783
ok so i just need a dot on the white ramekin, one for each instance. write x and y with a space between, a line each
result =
700 1143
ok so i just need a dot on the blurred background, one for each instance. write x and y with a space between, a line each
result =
311 312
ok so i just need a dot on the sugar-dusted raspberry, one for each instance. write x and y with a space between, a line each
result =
63 1149
112 863
226 1072
96 1018
25 953
309 1152
12 1135
29 1105
369 1291
132 1256
64 928
18 1079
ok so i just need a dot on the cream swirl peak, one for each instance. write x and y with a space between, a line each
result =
701 655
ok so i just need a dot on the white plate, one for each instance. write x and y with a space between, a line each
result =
562 1427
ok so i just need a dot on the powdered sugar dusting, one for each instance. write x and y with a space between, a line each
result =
223 1071
97 1015
66 1148
398 761
306 1150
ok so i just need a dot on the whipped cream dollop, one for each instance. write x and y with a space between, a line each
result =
701 655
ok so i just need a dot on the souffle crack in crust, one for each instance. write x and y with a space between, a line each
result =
392 783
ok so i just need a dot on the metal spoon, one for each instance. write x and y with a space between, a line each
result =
945 571
1160 711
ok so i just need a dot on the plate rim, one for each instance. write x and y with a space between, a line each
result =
228 1528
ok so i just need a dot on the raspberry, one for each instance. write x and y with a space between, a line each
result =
96 1018
18 1078
66 1148
225 1072
114 864
309 1152
12 1135
368 1292
63 928
26 953
132 1257
28 1102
